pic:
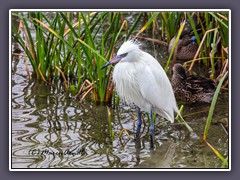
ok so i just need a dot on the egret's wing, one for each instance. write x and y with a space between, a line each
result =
156 87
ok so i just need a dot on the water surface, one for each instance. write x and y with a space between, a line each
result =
52 130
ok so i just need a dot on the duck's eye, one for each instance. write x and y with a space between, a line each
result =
182 76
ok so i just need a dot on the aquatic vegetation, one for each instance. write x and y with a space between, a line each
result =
67 47
75 45
71 47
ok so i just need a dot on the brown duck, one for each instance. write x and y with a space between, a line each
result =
187 45
191 88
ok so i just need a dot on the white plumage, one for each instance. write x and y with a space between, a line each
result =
141 80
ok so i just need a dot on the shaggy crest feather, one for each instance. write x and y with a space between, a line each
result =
128 46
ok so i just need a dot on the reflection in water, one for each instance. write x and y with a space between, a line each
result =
51 130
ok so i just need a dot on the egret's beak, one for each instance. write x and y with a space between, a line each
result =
113 61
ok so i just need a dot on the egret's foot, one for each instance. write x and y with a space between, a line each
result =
139 123
137 143
151 129
152 144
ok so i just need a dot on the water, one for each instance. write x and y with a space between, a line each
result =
52 130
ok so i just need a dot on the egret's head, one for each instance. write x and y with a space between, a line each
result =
125 52
179 71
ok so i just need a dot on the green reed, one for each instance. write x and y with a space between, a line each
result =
74 47
170 22
46 48
212 40
98 50
209 119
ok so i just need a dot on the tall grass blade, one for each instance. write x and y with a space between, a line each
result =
92 49
151 19
174 46
212 107
58 36
133 26
224 161
219 20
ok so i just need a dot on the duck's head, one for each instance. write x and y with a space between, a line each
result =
179 71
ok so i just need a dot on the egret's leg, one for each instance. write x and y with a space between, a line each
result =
151 129
139 122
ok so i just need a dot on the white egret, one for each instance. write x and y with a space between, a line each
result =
140 79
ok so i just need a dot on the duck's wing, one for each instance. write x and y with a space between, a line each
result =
197 84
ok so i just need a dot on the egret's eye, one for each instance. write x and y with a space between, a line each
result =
122 55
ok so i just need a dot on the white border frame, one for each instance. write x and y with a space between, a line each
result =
111 10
